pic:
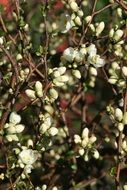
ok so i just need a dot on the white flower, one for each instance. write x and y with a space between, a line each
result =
14 118
66 23
28 168
78 56
91 50
28 156
69 54
96 61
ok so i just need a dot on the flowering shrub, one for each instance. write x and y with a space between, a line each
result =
63 95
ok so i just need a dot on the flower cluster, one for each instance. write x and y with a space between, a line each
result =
46 126
13 128
97 28
26 158
37 92
117 77
118 117
85 145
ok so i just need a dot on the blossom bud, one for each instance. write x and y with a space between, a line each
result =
74 6
49 109
43 128
121 83
53 93
92 28
93 71
56 73
30 143
18 57
124 144
92 139
77 139
14 118
77 21
30 93
76 73
125 187
118 34
115 65
44 187
12 137
85 141
62 70
111 33
118 114
56 83
1 40
119 12
80 13
85 133
88 19
120 126
19 128
125 118
81 151
96 154
38 89
53 131
86 157
100 28
112 80
124 71
63 78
